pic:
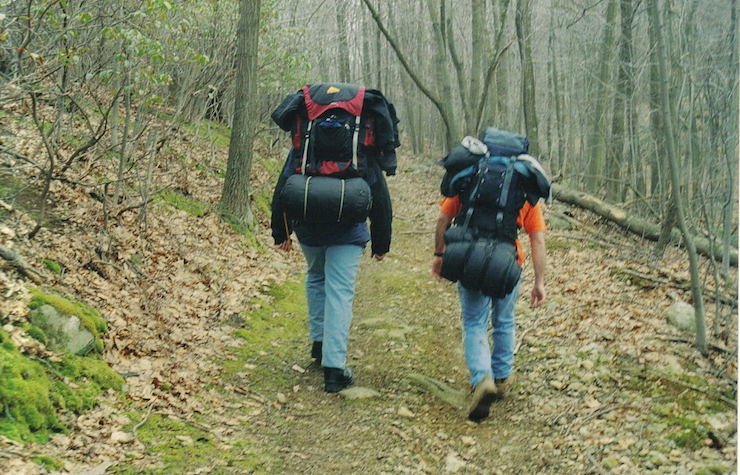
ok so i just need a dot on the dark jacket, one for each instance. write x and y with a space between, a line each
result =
381 216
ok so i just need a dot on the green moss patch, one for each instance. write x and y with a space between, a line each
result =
185 203
556 244
271 332
53 266
50 464
262 200
217 134
26 408
680 402
181 447
35 395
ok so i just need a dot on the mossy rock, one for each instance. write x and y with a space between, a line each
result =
90 318
60 332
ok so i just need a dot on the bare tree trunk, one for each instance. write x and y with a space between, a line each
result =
557 93
344 70
494 74
442 72
234 202
665 105
123 154
500 105
378 56
597 141
619 143
479 51
732 145
442 107
529 97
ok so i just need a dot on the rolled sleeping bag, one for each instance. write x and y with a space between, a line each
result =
322 199
453 260
475 265
486 266
502 271
457 234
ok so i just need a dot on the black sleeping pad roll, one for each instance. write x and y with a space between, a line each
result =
475 265
502 271
453 261
458 234
321 199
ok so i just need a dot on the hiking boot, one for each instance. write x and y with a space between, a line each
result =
483 395
336 379
316 349
502 386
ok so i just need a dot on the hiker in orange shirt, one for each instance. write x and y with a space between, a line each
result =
475 215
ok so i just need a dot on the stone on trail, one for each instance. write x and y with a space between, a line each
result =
453 463
681 316
404 411
358 392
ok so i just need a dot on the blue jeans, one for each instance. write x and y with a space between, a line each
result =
476 309
330 290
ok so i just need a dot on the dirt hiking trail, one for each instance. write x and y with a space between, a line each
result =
599 386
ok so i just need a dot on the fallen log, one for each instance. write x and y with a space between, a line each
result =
634 224
17 263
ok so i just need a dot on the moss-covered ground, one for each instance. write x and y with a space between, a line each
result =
37 397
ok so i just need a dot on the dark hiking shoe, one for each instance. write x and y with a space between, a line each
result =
316 349
483 395
336 379
502 386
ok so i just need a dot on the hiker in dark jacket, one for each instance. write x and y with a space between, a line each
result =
332 253
352 135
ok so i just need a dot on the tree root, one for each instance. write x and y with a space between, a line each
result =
443 391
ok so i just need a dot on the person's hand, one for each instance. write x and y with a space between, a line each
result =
437 268
286 245
378 257
537 297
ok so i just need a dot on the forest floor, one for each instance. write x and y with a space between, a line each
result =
209 331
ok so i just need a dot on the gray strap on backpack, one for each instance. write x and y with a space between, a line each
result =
503 198
479 179
304 158
355 144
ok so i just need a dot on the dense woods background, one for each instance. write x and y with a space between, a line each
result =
582 79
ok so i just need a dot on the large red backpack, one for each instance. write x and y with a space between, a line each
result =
333 137
330 139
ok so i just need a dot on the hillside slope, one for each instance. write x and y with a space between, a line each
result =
208 329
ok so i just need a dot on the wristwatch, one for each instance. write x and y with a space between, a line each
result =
438 254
